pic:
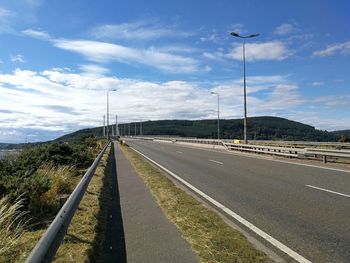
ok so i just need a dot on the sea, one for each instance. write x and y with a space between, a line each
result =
3 153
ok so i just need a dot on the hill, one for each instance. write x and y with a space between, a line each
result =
259 128
343 135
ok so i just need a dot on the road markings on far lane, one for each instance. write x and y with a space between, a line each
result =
237 217
216 162
326 190
179 152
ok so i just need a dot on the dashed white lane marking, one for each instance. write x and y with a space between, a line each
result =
179 152
267 158
216 162
237 217
326 190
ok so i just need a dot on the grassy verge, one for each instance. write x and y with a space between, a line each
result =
84 237
210 237
23 222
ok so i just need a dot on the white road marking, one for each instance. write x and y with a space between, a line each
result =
216 162
237 217
179 152
326 190
267 158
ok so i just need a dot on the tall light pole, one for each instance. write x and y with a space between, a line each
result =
218 112
108 112
116 126
104 125
244 82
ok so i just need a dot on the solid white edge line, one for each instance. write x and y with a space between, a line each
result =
326 190
216 161
237 217
267 158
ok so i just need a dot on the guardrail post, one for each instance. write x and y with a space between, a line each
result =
324 158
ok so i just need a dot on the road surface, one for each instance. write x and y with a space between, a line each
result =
305 208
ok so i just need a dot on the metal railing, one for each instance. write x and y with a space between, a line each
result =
281 151
286 149
46 248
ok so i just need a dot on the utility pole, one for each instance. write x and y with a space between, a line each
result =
104 125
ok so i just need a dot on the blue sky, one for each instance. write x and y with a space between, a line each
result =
58 58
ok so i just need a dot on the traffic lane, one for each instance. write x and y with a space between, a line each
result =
286 211
295 173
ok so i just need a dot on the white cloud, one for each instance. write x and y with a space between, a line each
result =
317 83
139 30
285 29
17 58
37 34
274 50
56 101
105 52
93 70
342 48
6 19
169 58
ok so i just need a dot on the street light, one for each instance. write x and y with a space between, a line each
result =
108 111
218 112
244 81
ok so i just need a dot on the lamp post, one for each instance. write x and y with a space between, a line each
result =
218 113
108 112
244 82
116 126
104 125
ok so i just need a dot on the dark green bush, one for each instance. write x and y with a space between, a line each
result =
19 176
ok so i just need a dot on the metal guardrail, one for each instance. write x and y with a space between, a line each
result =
282 151
326 153
292 149
302 143
46 248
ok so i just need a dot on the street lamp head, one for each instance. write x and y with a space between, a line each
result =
254 35
235 34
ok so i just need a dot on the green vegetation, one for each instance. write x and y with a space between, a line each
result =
86 232
210 237
32 187
259 128
41 175
343 136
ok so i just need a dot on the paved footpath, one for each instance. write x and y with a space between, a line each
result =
149 235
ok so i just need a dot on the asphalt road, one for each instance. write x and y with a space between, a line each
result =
305 208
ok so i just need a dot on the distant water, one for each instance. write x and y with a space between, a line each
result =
3 153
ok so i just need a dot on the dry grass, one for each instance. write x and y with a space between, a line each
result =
85 226
12 224
17 241
210 237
